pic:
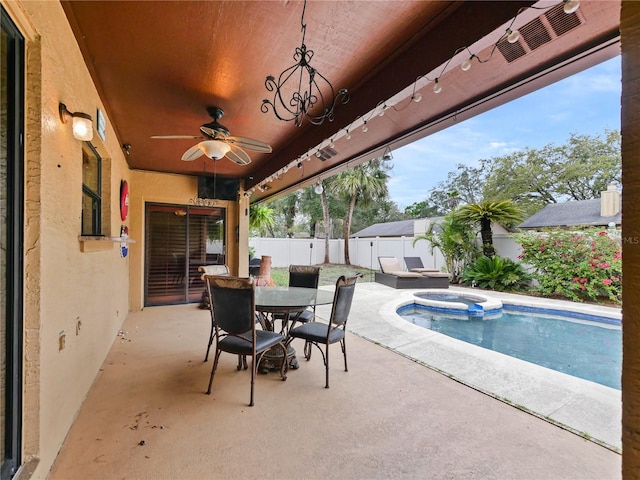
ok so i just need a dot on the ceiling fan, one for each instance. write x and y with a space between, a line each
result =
219 143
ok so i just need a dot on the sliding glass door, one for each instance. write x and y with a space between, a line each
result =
11 225
179 240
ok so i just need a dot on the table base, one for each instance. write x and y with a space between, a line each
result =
272 360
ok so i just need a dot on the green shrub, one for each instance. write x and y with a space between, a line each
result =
580 265
496 273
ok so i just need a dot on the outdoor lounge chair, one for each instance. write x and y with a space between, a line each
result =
414 264
394 276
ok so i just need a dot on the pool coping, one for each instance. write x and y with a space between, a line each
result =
586 408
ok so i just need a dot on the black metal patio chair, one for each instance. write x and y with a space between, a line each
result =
317 333
232 302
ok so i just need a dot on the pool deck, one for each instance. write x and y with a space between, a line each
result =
586 408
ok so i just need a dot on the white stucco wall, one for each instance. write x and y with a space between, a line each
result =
82 295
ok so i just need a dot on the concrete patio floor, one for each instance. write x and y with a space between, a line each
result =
390 416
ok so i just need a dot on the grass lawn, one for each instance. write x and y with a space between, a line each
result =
329 273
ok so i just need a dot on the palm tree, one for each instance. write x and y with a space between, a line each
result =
364 183
456 241
486 212
325 219
261 219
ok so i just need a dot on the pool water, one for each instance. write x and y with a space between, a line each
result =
581 348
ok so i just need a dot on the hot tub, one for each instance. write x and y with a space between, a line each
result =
458 303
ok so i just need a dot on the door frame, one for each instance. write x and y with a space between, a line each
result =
13 275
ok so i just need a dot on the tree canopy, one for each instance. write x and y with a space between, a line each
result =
580 169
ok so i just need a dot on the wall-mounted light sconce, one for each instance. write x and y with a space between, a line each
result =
82 124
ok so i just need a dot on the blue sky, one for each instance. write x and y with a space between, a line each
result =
586 103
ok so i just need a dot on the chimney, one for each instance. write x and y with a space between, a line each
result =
610 201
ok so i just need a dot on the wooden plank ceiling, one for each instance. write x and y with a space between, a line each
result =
158 65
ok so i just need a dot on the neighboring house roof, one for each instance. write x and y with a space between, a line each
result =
401 228
391 229
583 212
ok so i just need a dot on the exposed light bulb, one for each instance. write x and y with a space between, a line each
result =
348 135
417 97
365 129
570 6
332 144
381 114
318 189
512 35
466 65
437 88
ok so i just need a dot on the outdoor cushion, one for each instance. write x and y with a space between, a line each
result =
403 274
436 274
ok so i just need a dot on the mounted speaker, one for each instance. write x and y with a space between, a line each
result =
218 188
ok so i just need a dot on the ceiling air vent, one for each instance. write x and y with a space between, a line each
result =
561 22
540 31
535 34
511 51
326 153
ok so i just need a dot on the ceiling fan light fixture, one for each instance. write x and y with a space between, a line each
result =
214 149
308 86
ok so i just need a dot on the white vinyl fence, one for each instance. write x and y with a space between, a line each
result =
363 252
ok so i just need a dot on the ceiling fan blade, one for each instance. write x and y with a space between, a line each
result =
175 137
237 155
249 143
192 154
212 133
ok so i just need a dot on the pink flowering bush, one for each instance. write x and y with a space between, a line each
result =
580 265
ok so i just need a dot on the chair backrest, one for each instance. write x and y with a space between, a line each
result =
389 264
413 262
232 301
213 270
306 276
342 299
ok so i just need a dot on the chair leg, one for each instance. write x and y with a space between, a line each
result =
254 368
213 370
326 364
206 357
343 345
307 350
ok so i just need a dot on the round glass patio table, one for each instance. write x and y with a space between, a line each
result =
290 301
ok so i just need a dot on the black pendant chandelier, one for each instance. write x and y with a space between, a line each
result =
299 90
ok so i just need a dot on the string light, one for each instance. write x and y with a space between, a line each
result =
466 65
512 36
570 6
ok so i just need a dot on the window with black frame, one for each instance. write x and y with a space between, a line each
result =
91 191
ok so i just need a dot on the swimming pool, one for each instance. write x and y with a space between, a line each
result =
581 347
